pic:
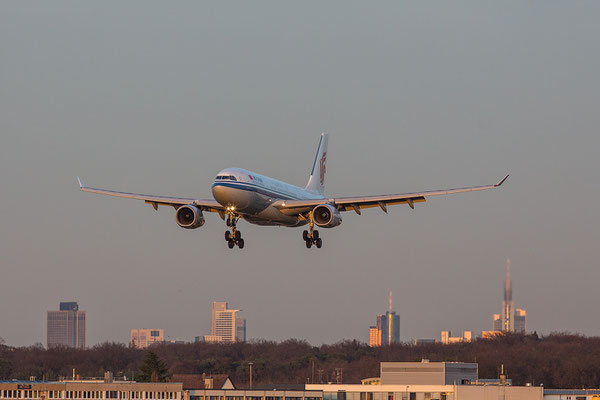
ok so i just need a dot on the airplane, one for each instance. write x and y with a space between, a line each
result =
261 200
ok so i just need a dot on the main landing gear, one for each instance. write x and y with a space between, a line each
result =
234 236
312 236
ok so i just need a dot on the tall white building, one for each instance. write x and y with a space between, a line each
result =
226 326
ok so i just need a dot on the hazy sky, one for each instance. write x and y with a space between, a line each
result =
157 97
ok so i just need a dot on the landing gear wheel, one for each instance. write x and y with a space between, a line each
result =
230 243
319 243
228 236
240 243
308 244
315 235
237 236
305 235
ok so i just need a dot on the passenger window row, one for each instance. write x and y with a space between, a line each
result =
230 177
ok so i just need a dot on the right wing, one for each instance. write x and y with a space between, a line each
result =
292 207
155 201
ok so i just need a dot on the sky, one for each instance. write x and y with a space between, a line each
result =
157 97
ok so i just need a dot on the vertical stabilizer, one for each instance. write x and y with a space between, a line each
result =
316 183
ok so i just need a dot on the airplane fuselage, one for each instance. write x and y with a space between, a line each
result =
252 195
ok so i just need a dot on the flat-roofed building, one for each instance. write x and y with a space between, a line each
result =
142 338
425 392
491 334
447 338
427 373
89 390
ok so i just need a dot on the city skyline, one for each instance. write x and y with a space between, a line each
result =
510 319
157 98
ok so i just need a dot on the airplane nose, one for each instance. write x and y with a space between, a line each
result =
219 194
230 196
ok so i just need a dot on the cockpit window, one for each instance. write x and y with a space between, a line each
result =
230 177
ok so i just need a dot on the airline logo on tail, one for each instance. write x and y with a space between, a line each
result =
323 170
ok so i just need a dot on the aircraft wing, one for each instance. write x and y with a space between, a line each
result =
291 207
155 201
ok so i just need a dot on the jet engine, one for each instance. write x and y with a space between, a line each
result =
189 217
326 216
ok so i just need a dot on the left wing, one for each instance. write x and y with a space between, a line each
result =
204 205
291 207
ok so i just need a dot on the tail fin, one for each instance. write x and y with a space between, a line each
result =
316 183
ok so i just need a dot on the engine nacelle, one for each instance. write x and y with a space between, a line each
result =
326 216
189 217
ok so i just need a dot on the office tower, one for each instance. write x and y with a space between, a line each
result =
387 330
520 321
375 333
497 322
66 327
509 320
142 338
240 330
508 306
390 326
226 326
374 336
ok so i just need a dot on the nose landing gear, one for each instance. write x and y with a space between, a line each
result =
234 236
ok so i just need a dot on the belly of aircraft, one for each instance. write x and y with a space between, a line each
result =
253 206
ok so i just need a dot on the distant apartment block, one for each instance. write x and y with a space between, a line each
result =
142 338
491 334
447 338
226 326
66 327
374 336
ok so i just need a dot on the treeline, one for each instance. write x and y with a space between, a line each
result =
556 360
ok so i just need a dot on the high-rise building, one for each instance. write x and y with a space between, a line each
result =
142 338
387 330
520 321
375 333
497 322
66 327
509 320
374 336
226 325
508 306
390 328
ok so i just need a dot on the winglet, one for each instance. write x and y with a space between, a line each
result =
80 184
501 181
